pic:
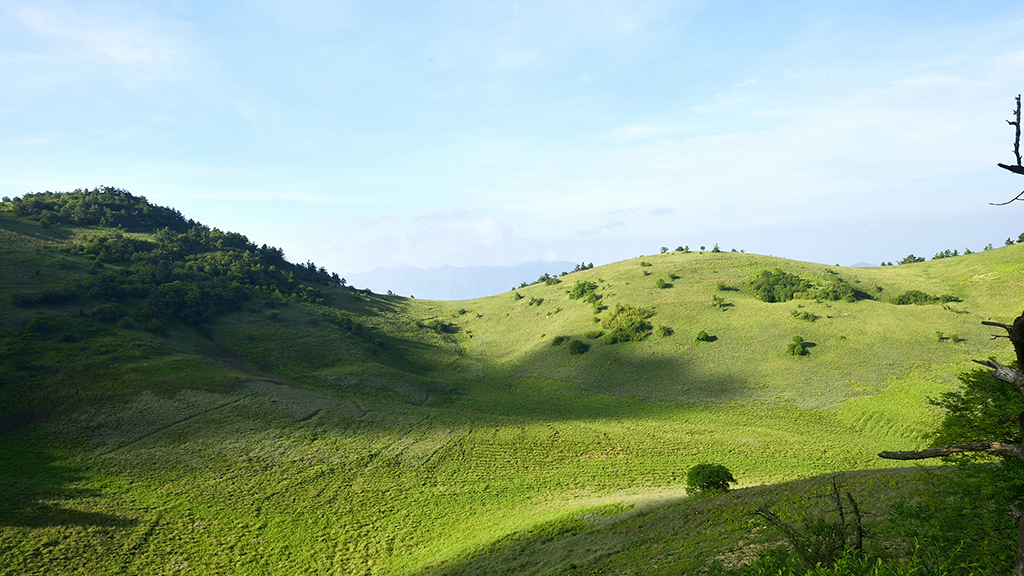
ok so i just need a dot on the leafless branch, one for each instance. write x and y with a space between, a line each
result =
1016 141
1008 327
1015 198
999 448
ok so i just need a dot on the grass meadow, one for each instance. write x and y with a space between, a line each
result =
457 438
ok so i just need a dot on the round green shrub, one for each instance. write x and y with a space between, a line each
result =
704 478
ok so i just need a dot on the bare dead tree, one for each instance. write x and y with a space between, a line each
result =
820 541
1014 377
1015 168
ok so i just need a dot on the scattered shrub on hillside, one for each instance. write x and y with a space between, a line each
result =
715 249
797 347
558 340
578 347
517 296
587 291
918 297
628 324
460 312
664 249
723 287
804 315
661 284
911 259
593 334
719 302
703 336
107 313
665 331
778 286
439 326
673 276
644 264
535 301
837 289
708 478
946 254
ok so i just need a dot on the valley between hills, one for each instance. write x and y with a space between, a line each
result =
177 399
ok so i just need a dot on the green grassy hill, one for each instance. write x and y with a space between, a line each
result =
303 427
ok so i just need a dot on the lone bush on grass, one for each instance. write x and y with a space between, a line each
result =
708 478
587 291
578 347
797 347
628 324
805 316
703 336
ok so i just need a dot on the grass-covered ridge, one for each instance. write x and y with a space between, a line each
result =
361 433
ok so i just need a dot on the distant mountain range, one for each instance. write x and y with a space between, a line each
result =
454 282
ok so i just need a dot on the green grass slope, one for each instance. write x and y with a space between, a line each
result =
278 438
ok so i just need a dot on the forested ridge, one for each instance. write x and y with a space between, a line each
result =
182 269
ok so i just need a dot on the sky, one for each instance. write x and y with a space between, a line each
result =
361 134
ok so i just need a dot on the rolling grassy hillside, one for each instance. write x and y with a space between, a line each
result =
276 438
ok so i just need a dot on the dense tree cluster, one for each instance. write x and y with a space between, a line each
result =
918 297
104 206
778 286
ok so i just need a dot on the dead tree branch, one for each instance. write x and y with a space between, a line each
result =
1018 168
1016 141
998 448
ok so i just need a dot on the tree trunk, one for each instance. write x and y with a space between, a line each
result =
1018 563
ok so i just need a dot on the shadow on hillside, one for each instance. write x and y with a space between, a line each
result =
34 229
626 369
32 478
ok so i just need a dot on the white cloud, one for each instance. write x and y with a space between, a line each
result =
120 37
492 232
441 216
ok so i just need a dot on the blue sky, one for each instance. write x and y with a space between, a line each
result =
364 134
